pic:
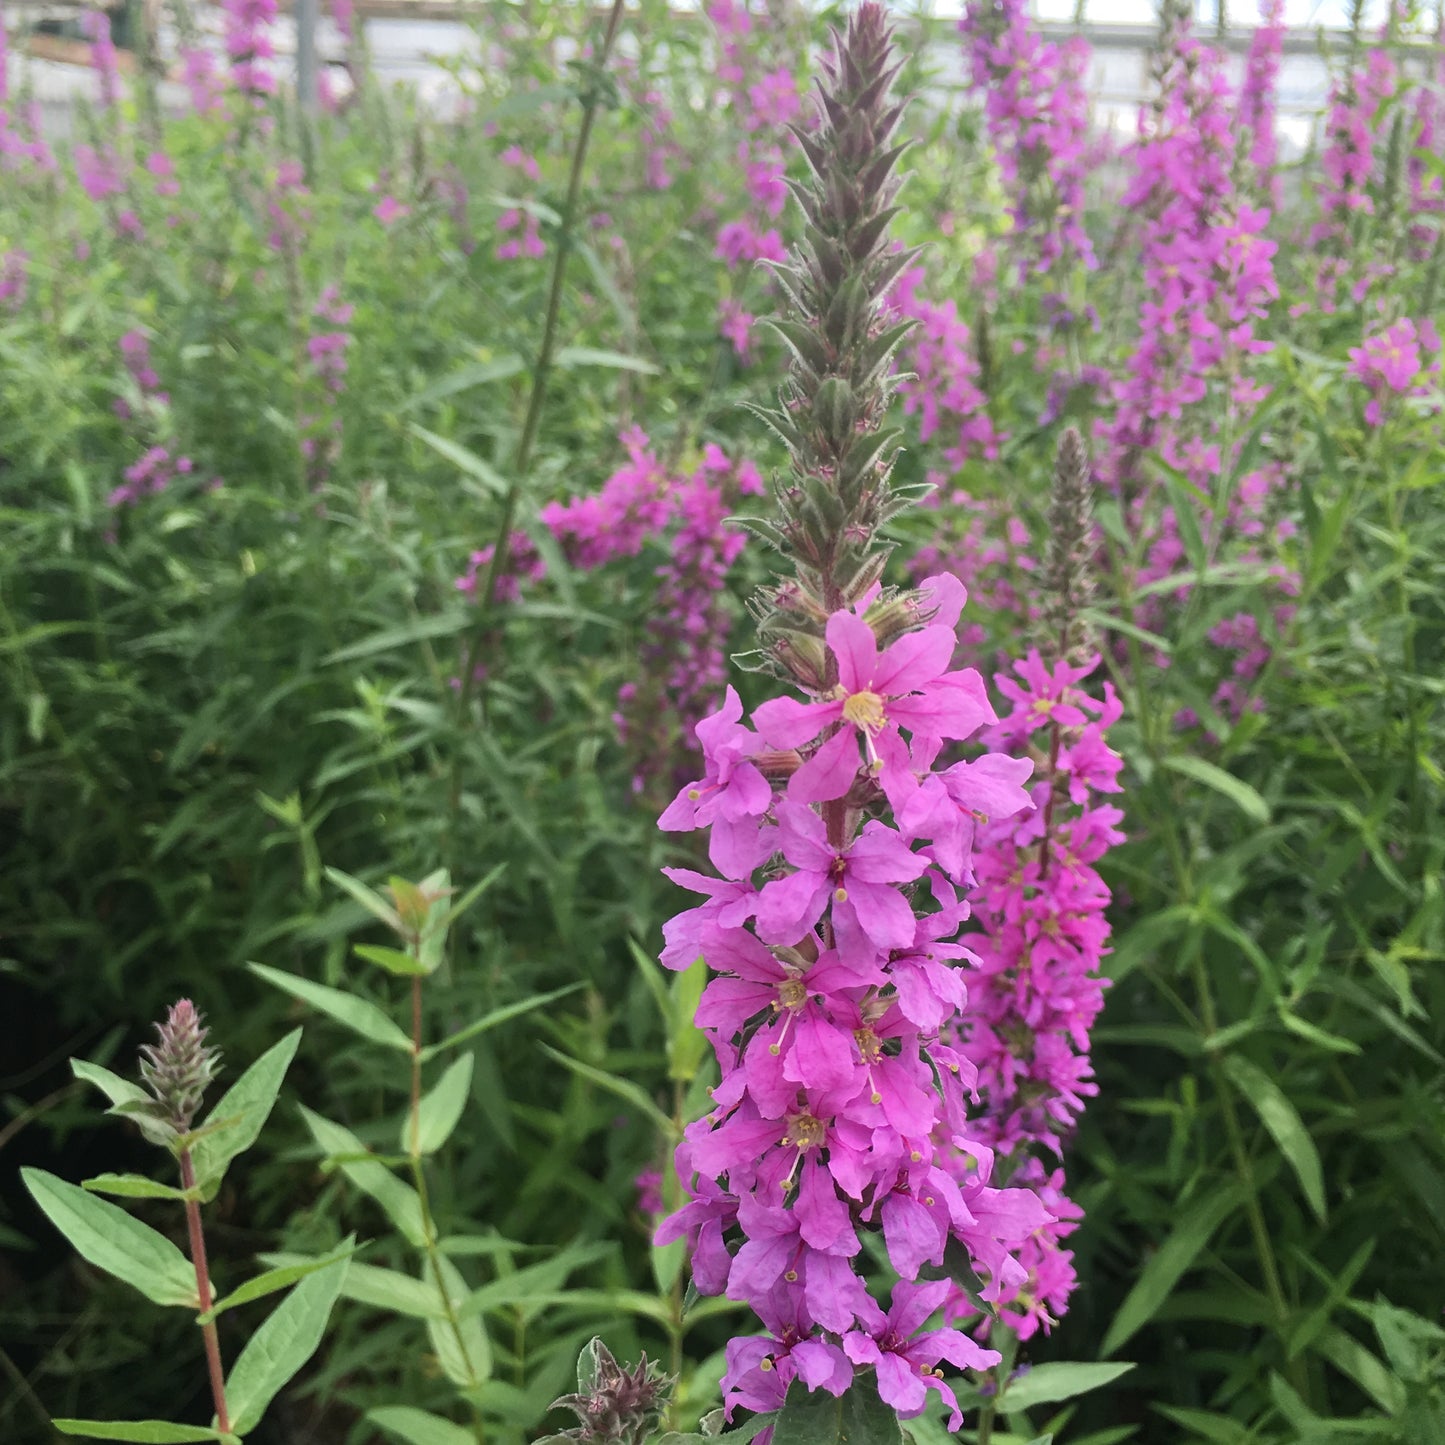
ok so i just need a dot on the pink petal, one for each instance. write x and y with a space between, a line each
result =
914 660
786 722
829 773
856 649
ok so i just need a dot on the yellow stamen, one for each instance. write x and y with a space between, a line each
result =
864 710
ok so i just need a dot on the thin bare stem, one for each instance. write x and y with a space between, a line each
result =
203 1295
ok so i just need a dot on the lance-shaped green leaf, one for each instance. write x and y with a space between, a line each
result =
462 1348
369 898
1285 1126
383 1289
419 1427
127 1100
282 1277
360 1015
857 1417
1058 1380
248 1102
498 1016
146 1432
440 1109
626 1089
1247 799
135 1186
1196 1224
113 1241
278 1350
397 1198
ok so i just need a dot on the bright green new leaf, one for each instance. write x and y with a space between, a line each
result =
249 1102
279 1278
1240 793
498 1016
397 1198
393 960
462 1348
1285 1126
440 1109
358 1014
132 1186
113 1241
1159 1276
147 1432
1058 1380
282 1345
124 1096
419 1427
369 898
687 1045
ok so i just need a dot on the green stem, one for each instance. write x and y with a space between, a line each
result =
203 1295
531 422
418 1179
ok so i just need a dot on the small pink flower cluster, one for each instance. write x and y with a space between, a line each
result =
682 655
249 46
524 564
842 1107
286 207
528 238
1257 96
95 25
148 407
1037 114
943 387
21 147
326 351
1039 908
765 99
14 278
1395 362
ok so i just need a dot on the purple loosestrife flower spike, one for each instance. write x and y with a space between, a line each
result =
1068 583
178 1068
841 1109
831 407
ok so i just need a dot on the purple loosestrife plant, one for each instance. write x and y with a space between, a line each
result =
1039 906
177 1070
841 851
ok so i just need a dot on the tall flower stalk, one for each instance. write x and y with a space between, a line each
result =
840 850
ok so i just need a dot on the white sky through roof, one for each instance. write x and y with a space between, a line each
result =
1241 13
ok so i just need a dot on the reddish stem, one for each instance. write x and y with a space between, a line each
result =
1049 804
203 1294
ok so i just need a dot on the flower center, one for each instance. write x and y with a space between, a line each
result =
864 710
805 1132
792 993
868 1044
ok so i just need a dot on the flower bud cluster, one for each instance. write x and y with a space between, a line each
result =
179 1066
841 846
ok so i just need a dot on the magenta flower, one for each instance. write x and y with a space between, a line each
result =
906 1361
869 915
732 795
907 686
388 209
